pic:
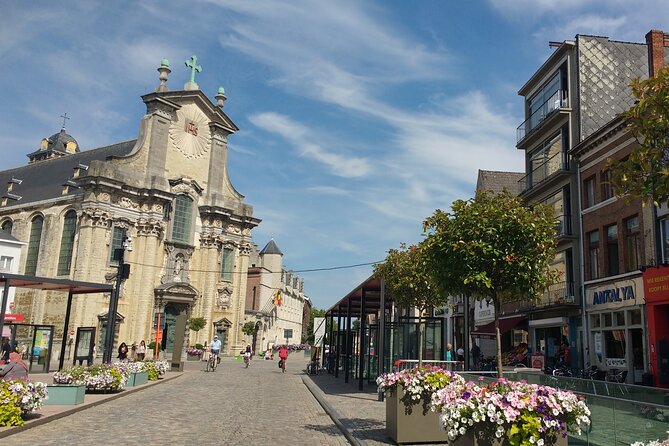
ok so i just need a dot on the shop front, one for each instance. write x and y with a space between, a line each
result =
548 336
616 327
656 293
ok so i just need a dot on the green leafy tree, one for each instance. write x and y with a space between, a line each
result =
309 337
406 273
645 173
492 247
197 323
250 328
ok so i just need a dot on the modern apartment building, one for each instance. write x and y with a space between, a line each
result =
580 88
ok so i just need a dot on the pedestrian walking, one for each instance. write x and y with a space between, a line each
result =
141 350
122 351
476 356
6 350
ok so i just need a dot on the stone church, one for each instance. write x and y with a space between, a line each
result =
166 196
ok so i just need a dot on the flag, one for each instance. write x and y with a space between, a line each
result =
278 299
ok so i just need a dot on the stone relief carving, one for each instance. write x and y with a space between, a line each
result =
103 196
190 133
208 240
245 249
177 264
150 227
128 203
234 229
223 297
95 217
164 111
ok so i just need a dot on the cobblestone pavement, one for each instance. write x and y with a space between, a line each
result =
232 406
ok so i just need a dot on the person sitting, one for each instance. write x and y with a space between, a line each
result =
15 369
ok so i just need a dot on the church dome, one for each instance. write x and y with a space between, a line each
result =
61 142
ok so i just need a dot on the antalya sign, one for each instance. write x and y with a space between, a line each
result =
614 294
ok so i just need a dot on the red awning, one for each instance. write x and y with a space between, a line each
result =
487 331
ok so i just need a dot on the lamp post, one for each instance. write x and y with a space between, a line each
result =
122 274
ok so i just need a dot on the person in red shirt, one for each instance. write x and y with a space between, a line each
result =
283 355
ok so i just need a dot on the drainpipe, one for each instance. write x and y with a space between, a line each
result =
585 354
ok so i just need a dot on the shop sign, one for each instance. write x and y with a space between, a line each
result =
656 283
613 295
483 311
537 361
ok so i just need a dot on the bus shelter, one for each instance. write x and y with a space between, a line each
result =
72 287
367 333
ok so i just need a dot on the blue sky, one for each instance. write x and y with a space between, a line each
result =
357 119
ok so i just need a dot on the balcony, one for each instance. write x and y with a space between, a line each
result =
563 226
543 172
559 293
558 100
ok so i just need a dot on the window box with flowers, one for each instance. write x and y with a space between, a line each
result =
194 354
409 418
509 413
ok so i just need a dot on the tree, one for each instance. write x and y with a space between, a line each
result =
645 173
197 323
406 273
250 328
492 247
309 337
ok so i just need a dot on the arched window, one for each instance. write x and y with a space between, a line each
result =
33 245
183 217
67 243
7 226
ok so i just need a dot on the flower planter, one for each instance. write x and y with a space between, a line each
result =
193 357
411 426
137 379
64 394
486 438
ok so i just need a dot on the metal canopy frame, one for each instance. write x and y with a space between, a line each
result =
44 283
367 298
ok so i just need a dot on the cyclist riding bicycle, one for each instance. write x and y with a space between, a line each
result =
216 349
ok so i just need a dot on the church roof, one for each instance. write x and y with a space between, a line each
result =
271 248
4 236
45 180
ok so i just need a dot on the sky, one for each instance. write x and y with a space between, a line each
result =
357 119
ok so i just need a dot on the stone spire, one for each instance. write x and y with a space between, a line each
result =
164 70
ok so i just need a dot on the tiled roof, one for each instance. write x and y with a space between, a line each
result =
271 248
497 181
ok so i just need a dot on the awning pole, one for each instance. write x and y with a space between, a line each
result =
68 309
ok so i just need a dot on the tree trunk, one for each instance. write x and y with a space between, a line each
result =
420 337
498 338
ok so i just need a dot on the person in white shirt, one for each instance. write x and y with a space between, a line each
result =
215 348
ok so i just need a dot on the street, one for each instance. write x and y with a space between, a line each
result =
231 406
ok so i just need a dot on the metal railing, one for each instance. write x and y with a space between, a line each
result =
542 172
557 294
558 100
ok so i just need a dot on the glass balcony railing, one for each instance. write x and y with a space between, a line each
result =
558 100
563 225
557 294
543 171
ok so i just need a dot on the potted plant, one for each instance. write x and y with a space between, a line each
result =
194 354
20 398
509 413
137 375
409 418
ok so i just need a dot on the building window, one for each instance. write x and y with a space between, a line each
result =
67 243
607 186
6 263
546 159
590 186
116 243
633 242
593 254
612 250
7 226
183 217
227 260
33 245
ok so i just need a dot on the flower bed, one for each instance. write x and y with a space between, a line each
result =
156 369
292 347
102 377
19 398
527 414
194 352
418 383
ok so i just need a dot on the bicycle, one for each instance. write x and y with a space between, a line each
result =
213 361
247 359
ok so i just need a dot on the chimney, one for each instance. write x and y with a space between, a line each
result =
657 41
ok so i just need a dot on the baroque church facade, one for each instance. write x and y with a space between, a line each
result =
166 195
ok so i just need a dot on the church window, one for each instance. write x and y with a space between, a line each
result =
183 216
33 245
7 226
227 258
117 240
67 243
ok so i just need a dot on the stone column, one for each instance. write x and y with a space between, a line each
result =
146 276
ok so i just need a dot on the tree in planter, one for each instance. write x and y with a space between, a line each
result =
406 273
197 323
492 247
645 173
250 328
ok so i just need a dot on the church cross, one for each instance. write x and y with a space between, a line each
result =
65 118
192 64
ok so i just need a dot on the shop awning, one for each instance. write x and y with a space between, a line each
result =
487 331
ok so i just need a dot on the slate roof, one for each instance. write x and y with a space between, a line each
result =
5 237
497 181
45 179
271 248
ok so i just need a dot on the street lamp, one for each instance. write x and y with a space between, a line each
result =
122 274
